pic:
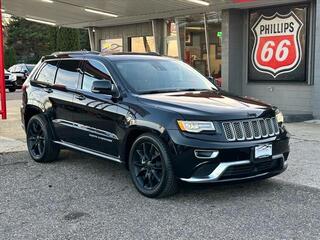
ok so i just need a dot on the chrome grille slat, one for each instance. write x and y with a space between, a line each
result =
250 129
228 130
256 129
239 133
270 127
247 130
276 126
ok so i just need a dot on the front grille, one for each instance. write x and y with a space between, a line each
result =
250 129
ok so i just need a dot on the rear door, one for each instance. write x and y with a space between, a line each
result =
96 114
61 99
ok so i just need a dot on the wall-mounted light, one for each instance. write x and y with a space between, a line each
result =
41 21
200 2
100 12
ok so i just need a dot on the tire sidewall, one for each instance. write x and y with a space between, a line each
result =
43 123
165 161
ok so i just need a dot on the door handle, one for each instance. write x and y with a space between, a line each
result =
48 90
80 97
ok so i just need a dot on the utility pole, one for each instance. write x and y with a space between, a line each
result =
3 110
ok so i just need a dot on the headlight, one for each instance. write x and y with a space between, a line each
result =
12 77
195 126
279 117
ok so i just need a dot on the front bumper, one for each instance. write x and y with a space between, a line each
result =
242 170
10 84
235 160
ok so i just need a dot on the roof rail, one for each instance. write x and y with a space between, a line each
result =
136 53
74 53
68 54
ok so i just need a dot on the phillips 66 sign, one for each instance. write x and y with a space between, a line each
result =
278 44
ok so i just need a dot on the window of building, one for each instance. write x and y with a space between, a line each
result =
200 36
142 44
68 73
94 71
48 72
171 40
215 44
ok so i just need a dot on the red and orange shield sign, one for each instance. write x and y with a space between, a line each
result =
277 47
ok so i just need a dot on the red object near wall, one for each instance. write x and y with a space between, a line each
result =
3 109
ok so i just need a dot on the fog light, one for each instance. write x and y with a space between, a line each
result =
206 154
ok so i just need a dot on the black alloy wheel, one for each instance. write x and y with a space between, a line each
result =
40 140
36 139
150 167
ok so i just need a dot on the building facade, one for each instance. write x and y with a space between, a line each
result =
268 51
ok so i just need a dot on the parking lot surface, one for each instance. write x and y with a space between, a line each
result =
81 197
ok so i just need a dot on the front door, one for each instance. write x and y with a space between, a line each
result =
96 114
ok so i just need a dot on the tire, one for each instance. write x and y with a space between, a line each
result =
151 168
40 140
12 89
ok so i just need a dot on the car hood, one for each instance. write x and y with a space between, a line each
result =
216 105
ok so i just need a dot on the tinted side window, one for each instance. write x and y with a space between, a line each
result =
94 71
48 72
68 73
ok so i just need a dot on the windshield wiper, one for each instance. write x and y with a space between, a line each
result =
174 90
159 91
193 90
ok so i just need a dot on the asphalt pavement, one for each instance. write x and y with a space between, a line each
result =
82 197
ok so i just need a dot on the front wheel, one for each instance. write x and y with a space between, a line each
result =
40 140
12 89
150 167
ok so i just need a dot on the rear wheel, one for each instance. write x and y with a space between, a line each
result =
40 140
12 89
150 167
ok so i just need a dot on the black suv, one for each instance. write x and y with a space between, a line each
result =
158 116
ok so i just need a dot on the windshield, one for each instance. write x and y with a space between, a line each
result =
161 75
30 67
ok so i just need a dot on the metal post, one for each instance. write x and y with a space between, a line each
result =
207 43
3 110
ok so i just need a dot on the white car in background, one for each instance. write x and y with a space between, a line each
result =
11 81
21 71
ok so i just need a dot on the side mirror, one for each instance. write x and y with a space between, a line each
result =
103 87
211 79
215 82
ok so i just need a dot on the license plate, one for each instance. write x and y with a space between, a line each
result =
263 151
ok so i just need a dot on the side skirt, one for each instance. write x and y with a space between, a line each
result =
89 151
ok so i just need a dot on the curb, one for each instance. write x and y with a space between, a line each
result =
8 145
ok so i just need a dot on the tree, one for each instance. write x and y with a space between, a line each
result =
10 57
30 40
84 40
68 39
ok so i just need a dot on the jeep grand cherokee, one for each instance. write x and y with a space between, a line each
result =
158 116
